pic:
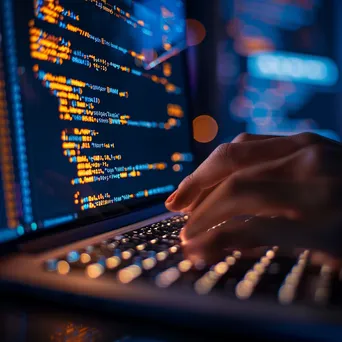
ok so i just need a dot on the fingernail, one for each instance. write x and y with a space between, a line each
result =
171 197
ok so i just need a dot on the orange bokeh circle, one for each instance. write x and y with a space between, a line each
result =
205 128
196 32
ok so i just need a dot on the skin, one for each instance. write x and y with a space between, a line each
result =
268 190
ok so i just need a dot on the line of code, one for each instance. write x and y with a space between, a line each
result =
60 39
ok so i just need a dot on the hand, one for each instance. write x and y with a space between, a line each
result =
254 236
297 178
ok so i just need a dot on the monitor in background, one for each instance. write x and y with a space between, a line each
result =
85 129
279 67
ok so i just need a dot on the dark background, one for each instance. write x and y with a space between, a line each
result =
235 30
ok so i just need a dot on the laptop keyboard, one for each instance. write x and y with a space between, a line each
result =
153 254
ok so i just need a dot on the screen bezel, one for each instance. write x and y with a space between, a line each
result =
108 212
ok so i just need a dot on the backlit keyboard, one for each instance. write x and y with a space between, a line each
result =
153 254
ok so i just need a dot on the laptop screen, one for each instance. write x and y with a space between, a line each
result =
85 127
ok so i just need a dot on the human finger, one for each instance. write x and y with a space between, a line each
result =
244 193
243 137
229 158
204 194
256 233
294 186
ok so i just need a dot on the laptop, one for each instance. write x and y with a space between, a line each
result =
92 144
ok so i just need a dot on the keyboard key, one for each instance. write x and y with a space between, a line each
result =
51 265
288 291
149 263
94 271
73 256
185 266
128 274
214 276
128 254
63 267
141 247
273 275
246 286
168 277
174 249
322 293
113 262
161 256
85 258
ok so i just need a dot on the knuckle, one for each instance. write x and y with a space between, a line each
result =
308 138
225 151
242 137
316 152
311 160
314 155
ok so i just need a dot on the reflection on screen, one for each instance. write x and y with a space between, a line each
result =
91 129
167 21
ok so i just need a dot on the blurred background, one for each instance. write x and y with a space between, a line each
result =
264 67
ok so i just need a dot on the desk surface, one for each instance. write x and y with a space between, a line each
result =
23 319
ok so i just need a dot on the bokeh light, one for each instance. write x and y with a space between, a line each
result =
205 128
261 114
94 271
149 56
233 27
63 267
248 45
196 32
177 168
241 107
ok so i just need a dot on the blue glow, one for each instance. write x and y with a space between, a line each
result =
102 261
151 254
156 191
59 220
187 157
7 234
266 106
137 261
17 111
20 230
52 265
34 226
283 66
73 256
